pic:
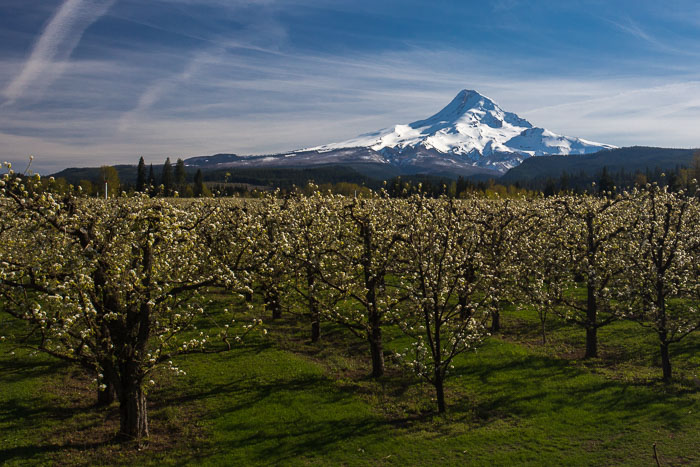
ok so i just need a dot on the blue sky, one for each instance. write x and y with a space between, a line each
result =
92 82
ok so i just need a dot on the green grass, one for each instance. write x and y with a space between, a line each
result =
280 400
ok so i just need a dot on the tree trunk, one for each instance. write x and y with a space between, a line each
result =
272 300
495 321
465 313
313 308
662 330
591 323
107 395
133 413
315 328
591 342
277 312
665 362
543 329
440 391
377 351
374 318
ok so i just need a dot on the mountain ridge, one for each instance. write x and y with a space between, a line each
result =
476 128
470 135
628 159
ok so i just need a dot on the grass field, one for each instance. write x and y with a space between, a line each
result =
279 400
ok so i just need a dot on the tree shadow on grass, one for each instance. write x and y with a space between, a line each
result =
26 453
294 439
16 414
532 386
290 418
16 369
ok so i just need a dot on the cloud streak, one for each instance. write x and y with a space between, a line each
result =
156 90
55 44
219 102
630 27
175 78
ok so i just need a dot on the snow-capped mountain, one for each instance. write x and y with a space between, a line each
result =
471 135
475 129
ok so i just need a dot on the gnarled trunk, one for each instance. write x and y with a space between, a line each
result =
133 413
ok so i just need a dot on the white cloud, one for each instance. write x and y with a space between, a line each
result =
55 44
232 99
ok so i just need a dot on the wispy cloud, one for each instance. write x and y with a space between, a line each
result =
633 28
160 87
665 45
504 5
55 44
285 102
264 76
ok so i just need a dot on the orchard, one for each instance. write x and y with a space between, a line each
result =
119 287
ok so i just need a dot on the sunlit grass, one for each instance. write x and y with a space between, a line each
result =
280 400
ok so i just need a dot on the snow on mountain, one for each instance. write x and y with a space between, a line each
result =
474 129
471 135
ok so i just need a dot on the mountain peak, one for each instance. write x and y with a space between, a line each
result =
462 103
471 108
475 130
470 95
468 99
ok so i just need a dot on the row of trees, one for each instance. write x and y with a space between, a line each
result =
116 286
441 269
171 180
108 182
